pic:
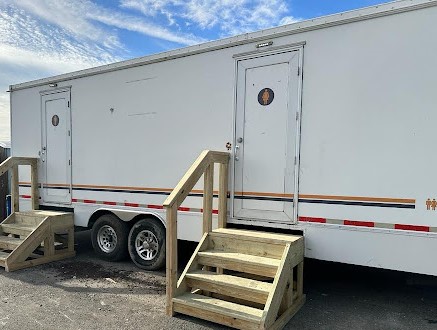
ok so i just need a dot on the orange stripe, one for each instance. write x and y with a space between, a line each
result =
252 193
360 198
262 194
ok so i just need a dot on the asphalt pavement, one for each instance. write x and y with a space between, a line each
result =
88 293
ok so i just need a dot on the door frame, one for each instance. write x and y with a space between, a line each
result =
296 47
66 89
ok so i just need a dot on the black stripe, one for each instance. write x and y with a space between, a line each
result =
392 205
119 191
275 199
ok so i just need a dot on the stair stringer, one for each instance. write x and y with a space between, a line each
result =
192 265
274 316
30 244
274 299
9 219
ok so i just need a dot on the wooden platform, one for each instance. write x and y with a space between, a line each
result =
243 279
35 237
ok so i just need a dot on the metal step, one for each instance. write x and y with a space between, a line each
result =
229 285
216 310
239 262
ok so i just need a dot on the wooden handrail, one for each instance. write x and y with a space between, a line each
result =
11 164
204 165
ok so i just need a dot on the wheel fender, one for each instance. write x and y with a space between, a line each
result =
129 215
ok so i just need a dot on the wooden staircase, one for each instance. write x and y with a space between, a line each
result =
239 278
32 238
243 279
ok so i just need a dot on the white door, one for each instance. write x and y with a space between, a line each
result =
56 147
265 137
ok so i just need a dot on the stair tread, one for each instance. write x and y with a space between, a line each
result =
257 235
241 257
19 225
220 306
40 213
11 240
231 281
3 255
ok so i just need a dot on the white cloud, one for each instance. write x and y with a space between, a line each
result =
288 20
47 37
229 16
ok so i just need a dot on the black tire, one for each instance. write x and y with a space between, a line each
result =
109 237
147 244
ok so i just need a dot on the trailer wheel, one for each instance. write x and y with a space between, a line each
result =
109 237
147 244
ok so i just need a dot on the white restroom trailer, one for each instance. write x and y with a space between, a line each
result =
331 124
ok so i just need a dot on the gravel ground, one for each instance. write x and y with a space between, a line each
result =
87 293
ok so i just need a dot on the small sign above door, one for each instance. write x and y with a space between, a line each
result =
265 96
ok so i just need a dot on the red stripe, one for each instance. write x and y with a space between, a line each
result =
186 209
412 227
310 219
214 211
74 200
89 201
132 204
159 207
110 203
26 196
359 223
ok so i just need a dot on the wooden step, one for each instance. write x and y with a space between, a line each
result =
21 229
239 262
3 256
258 236
31 218
9 243
220 311
229 285
246 245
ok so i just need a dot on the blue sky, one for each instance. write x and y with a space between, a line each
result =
41 38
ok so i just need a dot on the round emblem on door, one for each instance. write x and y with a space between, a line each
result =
55 120
265 96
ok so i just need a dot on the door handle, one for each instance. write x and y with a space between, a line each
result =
236 153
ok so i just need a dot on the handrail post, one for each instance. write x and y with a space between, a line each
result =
172 256
34 185
15 189
223 195
208 194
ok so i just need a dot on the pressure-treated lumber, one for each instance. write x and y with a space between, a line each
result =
204 165
236 299
229 285
240 262
11 164
223 195
219 283
37 230
219 311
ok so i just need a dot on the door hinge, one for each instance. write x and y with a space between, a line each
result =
295 160
297 115
69 162
68 104
298 70
69 134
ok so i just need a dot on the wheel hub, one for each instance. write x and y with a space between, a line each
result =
146 245
107 239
